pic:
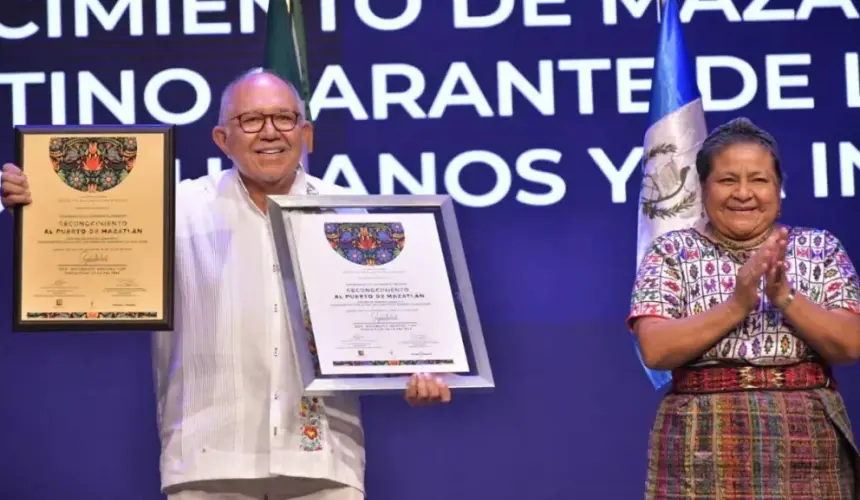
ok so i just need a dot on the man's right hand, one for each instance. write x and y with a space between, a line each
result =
14 187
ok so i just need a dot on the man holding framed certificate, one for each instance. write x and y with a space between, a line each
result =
235 421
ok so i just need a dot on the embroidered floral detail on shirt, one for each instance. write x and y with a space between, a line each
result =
310 420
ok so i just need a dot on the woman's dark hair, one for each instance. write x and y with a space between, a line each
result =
738 131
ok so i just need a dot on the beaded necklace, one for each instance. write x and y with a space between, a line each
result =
738 248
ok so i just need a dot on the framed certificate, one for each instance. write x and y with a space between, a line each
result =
94 250
377 289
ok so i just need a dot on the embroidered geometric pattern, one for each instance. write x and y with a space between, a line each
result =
684 273
732 378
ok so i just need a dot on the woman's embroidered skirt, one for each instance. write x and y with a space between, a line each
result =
753 444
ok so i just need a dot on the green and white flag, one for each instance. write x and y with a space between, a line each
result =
286 52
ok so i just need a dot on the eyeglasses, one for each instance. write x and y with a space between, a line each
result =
253 122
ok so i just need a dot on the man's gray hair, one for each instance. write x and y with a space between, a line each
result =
227 94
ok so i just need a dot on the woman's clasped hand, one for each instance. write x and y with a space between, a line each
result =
767 261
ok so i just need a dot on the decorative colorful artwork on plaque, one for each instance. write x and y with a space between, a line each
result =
93 164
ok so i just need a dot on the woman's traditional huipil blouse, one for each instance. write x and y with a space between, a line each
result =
685 273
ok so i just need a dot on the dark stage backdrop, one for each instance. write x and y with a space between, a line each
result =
529 113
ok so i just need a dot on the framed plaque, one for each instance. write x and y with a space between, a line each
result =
94 250
377 288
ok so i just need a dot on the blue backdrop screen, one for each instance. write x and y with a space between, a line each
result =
529 113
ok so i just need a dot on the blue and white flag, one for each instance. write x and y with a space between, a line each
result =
670 197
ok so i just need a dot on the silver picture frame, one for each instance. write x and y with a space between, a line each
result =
481 377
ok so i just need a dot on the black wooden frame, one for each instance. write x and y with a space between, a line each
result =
168 221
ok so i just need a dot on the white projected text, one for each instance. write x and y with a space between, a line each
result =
474 90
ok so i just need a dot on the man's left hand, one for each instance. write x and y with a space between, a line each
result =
425 389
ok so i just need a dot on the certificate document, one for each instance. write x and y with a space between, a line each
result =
378 293
94 249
